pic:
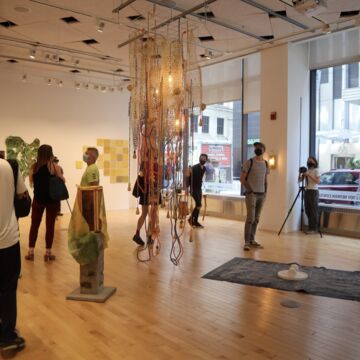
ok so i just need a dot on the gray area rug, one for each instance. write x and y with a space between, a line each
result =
321 281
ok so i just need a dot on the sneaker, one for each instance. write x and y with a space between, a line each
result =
255 244
198 225
247 247
16 344
138 240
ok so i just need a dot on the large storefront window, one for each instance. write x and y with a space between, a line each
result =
337 143
219 134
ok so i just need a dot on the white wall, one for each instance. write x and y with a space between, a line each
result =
285 90
274 97
67 119
298 123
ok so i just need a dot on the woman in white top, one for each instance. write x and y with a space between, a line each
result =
312 179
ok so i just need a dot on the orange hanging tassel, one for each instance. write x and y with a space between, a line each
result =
200 121
134 154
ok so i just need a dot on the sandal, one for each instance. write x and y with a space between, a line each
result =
49 257
29 256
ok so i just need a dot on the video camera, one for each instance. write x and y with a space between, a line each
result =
302 170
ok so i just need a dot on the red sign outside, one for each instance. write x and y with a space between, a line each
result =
220 153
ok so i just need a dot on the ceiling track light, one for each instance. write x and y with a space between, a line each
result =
77 85
60 83
24 78
32 54
49 81
208 54
100 25
326 29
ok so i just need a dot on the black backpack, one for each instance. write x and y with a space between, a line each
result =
22 205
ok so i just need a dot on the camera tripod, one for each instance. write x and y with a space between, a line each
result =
301 194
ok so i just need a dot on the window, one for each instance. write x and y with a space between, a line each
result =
336 136
221 142
353 75
205 124
324 76
337 83
194 123
220 126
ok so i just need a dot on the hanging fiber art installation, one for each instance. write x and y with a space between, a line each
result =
165 87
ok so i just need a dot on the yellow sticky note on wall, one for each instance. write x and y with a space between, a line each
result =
79 165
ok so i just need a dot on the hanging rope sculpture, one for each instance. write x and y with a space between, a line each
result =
163 93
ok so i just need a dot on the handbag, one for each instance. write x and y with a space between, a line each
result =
57 189
22 205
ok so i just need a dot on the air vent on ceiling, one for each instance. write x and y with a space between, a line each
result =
90 42
136 17
75 71
118 70
281 13
7 24
206 14
61 59
126 80
12 61
70 20
206 38
349 13
267 37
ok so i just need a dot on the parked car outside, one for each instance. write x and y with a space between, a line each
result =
344 180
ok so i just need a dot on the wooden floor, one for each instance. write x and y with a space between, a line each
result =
161 311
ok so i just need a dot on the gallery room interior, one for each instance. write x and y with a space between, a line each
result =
143 89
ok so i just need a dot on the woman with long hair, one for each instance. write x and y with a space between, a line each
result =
39 176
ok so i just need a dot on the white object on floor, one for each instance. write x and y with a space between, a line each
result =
293 273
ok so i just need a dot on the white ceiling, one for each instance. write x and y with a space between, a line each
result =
39 22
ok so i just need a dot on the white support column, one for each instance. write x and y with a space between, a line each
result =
284 90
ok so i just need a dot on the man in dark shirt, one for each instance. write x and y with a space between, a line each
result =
196 177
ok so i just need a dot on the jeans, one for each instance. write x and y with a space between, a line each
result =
254 204
311 200
9 274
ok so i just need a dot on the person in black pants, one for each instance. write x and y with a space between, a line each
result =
311 198
195 182
9 258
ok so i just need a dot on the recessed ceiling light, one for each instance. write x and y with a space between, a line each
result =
21 9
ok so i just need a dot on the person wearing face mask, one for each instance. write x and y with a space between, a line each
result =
253 177
91 175
311 197
195 182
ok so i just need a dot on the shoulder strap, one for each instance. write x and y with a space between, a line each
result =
15 169
251 164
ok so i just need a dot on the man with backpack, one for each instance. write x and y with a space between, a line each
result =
254 178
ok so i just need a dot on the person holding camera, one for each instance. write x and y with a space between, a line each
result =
311 197
254 178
